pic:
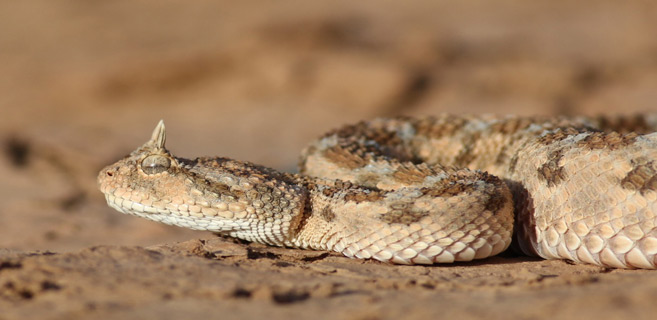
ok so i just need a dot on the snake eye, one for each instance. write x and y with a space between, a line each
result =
155 163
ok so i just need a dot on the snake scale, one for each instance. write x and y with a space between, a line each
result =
422 191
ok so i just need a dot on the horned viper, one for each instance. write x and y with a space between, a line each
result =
422 191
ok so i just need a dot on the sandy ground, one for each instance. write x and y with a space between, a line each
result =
84 82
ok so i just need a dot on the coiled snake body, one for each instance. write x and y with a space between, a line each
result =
422 191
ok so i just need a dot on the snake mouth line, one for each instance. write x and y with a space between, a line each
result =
169 217
130 207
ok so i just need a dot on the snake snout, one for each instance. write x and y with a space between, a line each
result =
107 175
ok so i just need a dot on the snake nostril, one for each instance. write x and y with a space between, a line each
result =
109 173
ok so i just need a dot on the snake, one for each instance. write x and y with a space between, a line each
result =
426 190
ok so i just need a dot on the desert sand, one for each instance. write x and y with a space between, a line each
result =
82 83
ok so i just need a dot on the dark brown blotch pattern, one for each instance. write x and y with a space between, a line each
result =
551 172
368 131
224 189
466 155
559 134
412 174
459 182
495 202
349 192
625 124
327 214
449 189
437 128
350 157
607 141
642 177
403 213
512 125
269 186
360 195
373 139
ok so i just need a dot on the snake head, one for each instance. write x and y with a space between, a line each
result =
216 194
135 183
147 161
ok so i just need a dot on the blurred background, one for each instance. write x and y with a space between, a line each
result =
82 83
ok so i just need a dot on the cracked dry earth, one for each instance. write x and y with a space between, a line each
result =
230 279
